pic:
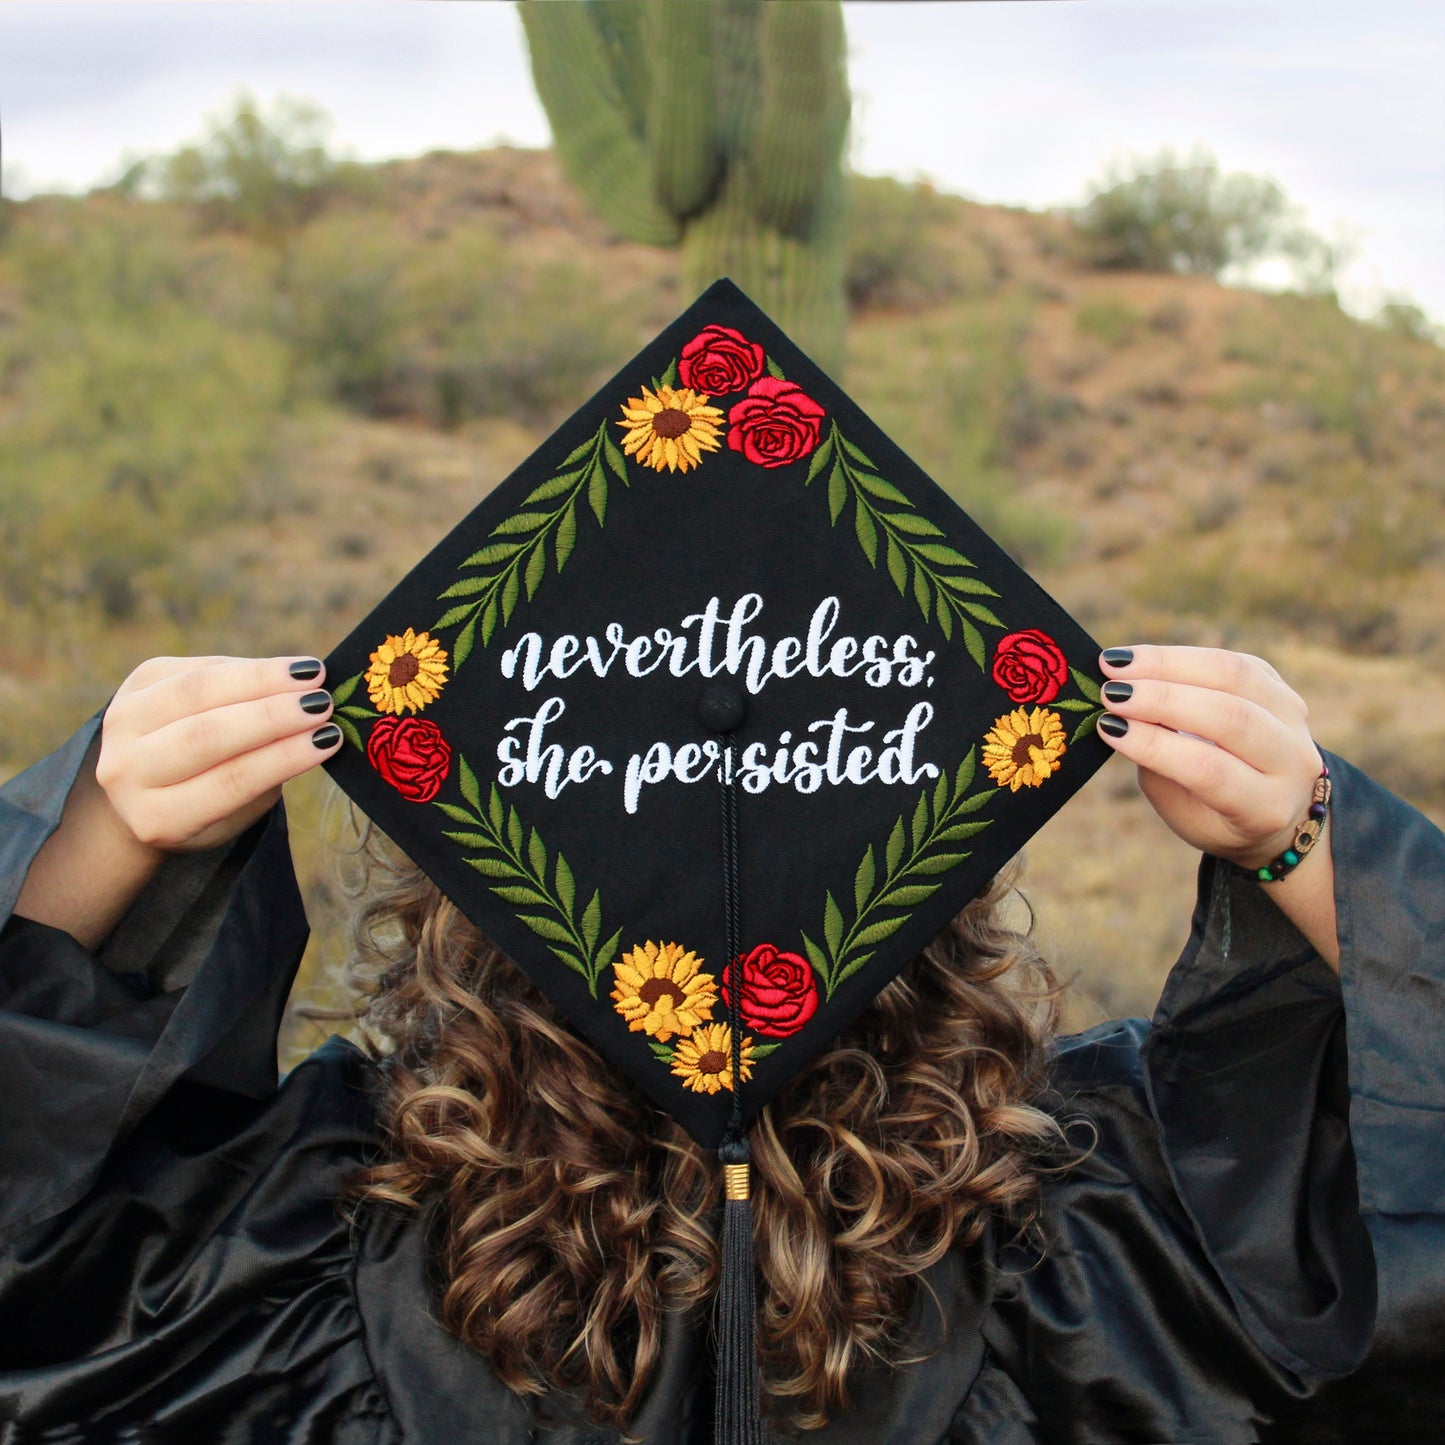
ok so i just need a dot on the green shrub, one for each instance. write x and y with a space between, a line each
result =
134 418
894 258
1167 213
262 172
346 312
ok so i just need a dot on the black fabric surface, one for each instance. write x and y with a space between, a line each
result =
1254 1249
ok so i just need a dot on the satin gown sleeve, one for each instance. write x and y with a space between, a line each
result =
172 1262
1254 1248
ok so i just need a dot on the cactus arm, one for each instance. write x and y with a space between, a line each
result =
680 127
802 119
600 151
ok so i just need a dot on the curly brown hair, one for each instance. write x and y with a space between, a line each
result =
573 1215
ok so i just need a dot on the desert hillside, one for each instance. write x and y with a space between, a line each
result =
217 439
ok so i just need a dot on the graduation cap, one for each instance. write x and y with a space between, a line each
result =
711 716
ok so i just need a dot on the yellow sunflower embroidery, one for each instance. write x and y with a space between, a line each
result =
406 672
660 990
704 1059
1023 748
670 428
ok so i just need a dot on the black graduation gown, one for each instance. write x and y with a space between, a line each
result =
1254 1250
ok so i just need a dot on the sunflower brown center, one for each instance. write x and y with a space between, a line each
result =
403 670
1021 749
714 1061
671 422
655 990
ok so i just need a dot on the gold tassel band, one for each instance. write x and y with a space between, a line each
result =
737 1181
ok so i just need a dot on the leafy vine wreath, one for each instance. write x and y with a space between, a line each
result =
661 988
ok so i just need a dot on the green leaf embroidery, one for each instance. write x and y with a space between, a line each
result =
897 566
592 920
462 648
597 496
467 782
467 587
553 487
493 552
863 879
566 885
511 590
528 876
660 1051
867 533
832 925
1086 685
579 451
566 537
896 843
452 617
877 487
922 592
978 611
761 1051
612 455
342 692
908 538
519 522
514 560
774 370
909 896
545 926
912 858
669 377
1087 726
913 524
819 459
348 731
536 569
519 894
837 492
493 867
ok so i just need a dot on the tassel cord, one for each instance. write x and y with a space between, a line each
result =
737 1415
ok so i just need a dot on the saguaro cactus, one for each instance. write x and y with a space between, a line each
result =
717 127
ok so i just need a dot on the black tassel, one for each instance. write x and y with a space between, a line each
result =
737 1415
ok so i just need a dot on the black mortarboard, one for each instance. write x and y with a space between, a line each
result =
717 673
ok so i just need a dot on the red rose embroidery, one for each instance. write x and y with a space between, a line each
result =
779 994
411 754
1030 666
719 360
776 423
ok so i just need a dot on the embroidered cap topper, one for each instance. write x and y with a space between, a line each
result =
717 585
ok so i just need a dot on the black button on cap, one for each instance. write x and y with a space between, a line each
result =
722 708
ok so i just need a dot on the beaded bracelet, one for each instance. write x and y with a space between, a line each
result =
1306 836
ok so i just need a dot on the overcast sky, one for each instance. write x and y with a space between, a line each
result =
1341 101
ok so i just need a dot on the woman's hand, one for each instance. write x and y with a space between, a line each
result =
192 751
1225 757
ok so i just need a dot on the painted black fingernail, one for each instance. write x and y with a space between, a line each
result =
1116 727
1118 656
326 737
320 701
1115 691
305 668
